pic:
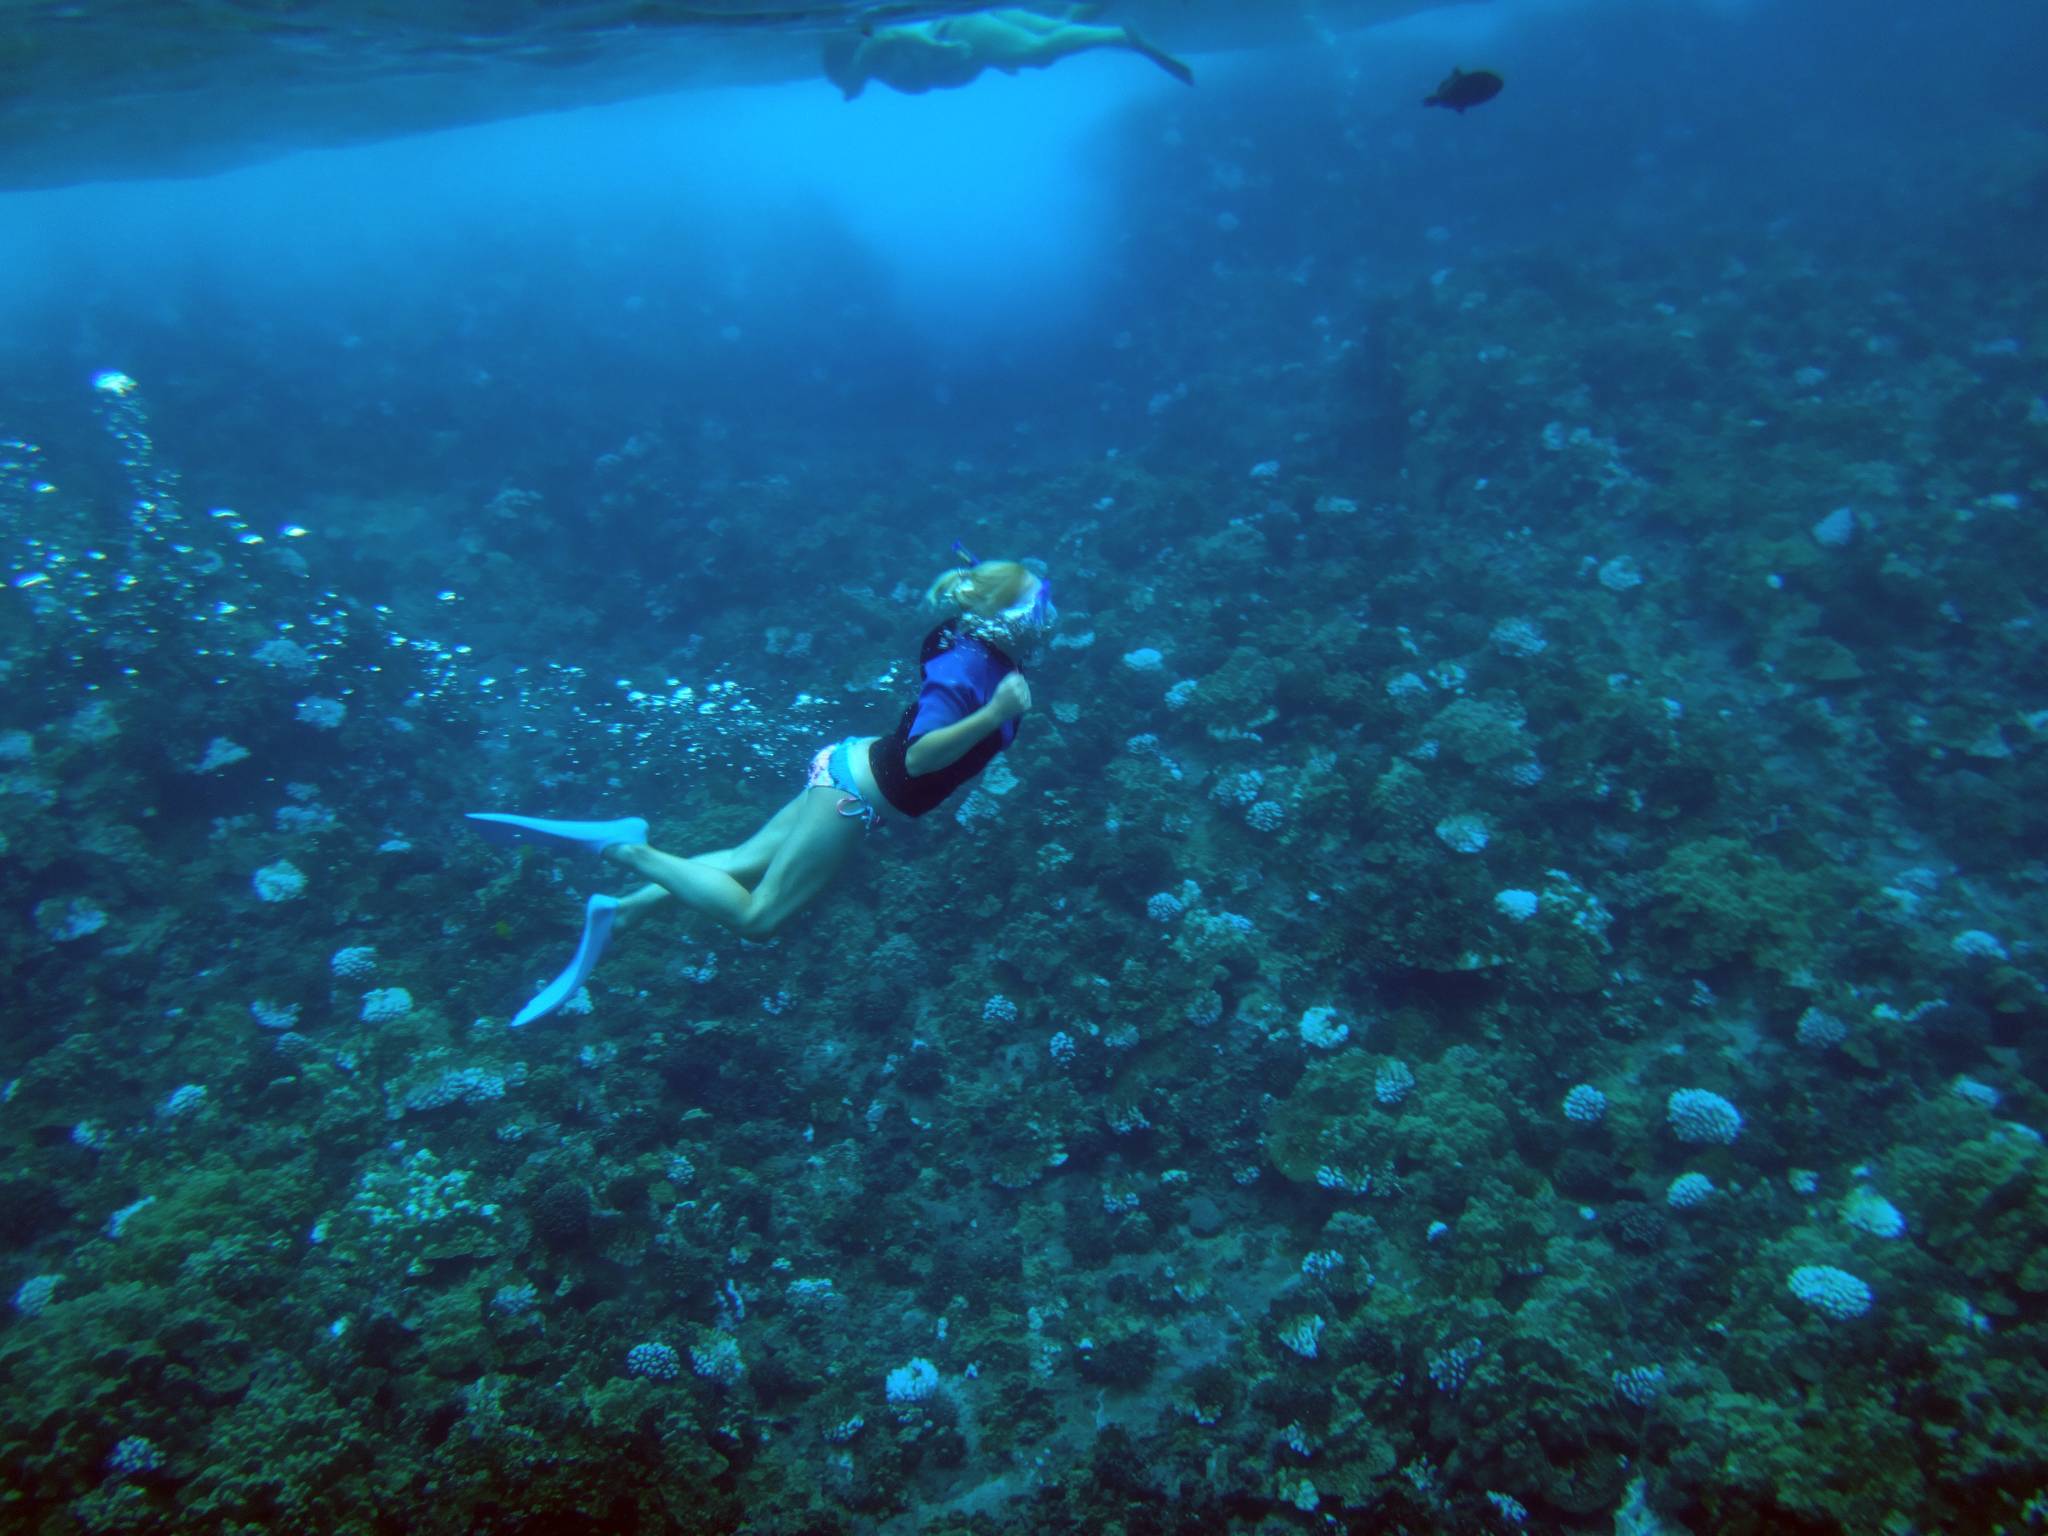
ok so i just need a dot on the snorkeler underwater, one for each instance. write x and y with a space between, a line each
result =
971 694
779 768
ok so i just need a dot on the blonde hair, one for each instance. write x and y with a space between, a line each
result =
985 589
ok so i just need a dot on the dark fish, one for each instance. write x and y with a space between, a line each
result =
1461 89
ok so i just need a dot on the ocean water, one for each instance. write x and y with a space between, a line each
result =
1499 986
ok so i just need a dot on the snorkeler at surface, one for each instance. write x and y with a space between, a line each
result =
970 696
954 50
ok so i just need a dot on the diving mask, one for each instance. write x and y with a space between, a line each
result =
1022 627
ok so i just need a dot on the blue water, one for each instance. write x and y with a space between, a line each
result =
1499 985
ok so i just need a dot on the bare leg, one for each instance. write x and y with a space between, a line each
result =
746 862
749 861
1039 47
636 904
1043 24
802 866
1136 42
1011 40
1043 41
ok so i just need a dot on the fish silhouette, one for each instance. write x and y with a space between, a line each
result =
1462 89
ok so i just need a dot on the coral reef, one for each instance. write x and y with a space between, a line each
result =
1499 987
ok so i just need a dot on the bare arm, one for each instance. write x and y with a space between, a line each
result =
949 743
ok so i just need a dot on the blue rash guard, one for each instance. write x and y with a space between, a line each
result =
959 673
